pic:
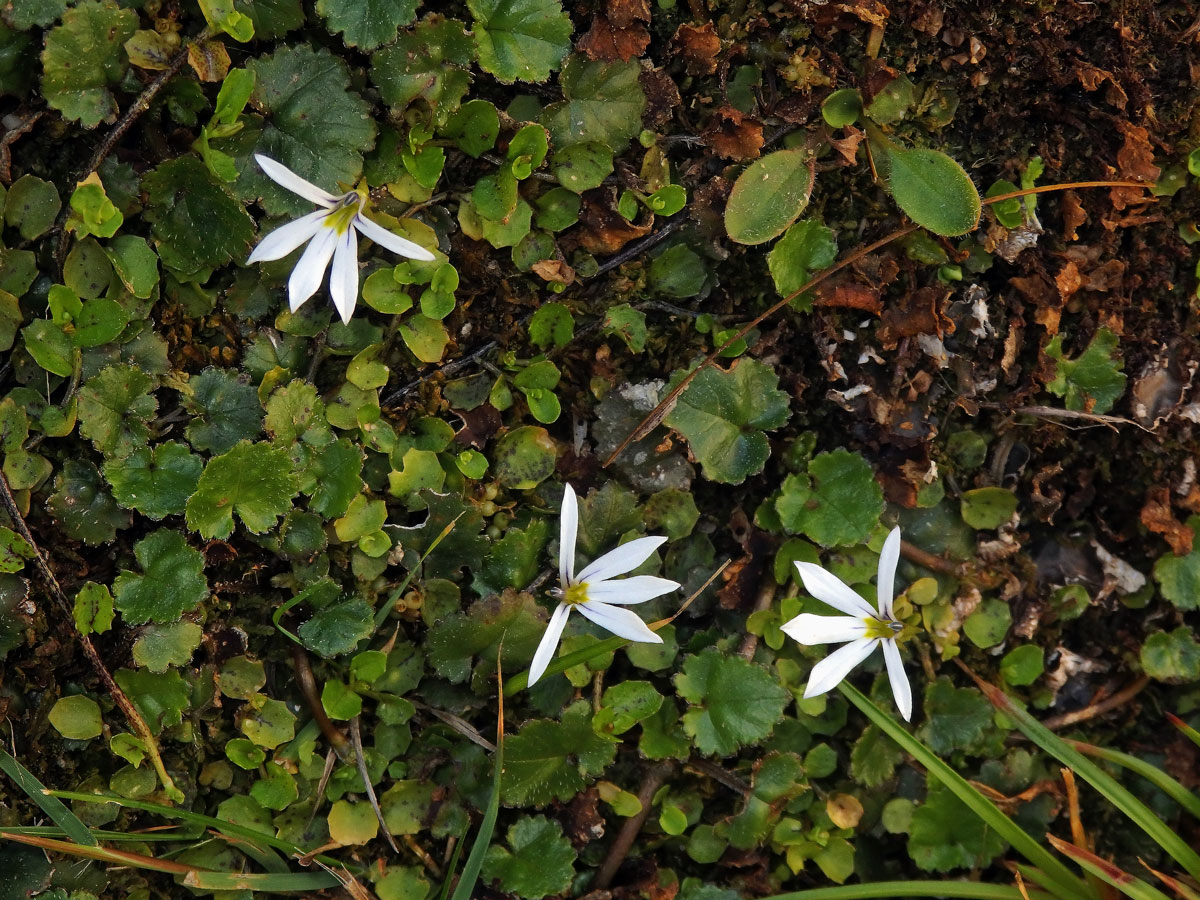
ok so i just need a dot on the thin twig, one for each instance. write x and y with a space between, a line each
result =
1120 698
1051 412
66 609
649 242
718 773
361 759
308 688
462 726
655 778
766 596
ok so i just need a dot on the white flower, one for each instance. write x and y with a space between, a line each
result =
862 627
330 232
594 590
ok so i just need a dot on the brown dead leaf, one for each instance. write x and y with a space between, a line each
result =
843 14
795 108
733 134
554 270
1135 162
1092 77
1068 281
623 13
851 295
1157 516
603 229
662 96
697 46
922 311
744 576
210 60
584 823
1073 215
606 41
847 147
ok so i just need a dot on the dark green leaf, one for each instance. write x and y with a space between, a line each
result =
521 40
1091 382
541 860
172 580
367 24
84 509
733 703
604 102
552 760
254 480
226 408
156 483
337 629
84 57
427 61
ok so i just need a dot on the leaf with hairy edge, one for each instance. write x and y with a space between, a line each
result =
156 483
429 61
367 24
553 760
541 860
769 196
114 409
604 102
734 703
226 408
171 582
254 480
520 40
934 191
84 57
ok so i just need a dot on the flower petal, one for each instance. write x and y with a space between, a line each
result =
343 280
568 532
888 557
808 629
310 270
393 242
624 591
829 672
621 622
283 240
623 559
901 689
549 643
830 589
282 175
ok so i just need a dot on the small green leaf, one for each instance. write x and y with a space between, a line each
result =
678 271
541 861
226 408
172 580
890 104
837 502
733 703
1091 382
842 108
31 206
934 191
1178 577
135 264
159 647
221 14
93 609
254 480
337 629
367 24
625 705
1023 665
50 347
769 196
628 324
988 507
160 698
1172 656
551 325
83 508
337 471
244 753
805 248
581 167
339 701
604 103
989 624
352 824
553 759
520 39
955 717
474 128
945 834
724 413
84 57
425 337
267 722
524 457
91 210
99 321
156 483
77 718
428 61
114 409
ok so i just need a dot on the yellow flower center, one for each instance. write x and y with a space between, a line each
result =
345 210
575 594
877 629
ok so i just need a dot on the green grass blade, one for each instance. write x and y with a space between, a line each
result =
1151 773
1113 790
1185 729
100 854
483 838
562 663
53 807
1127 884
444 893
114 837
956 890
1053 875
270 882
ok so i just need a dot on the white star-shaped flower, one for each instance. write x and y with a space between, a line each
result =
863 628
596 589
330 233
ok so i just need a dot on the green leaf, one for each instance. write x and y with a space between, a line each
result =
989 624
428 61
1172 656
934 191
474 127
26 14
159 647
172 580
31 206
254 480
272 18
337 629
541 861
524 457
893 101
604 102
84 510
842 108
267 722
84 57
135 264
1092 381
194 220
76 717
837 502
625 705
156 483
678 271
520 39
99 321
955 717
988 507
93 609
723 414
805 248
448 550
367 24
50 347
769 196
874 758
1023 665
114 409
340 701
407 806
221 14
314 124
628 324
226 408
92 212
944 835
551 325
425 337
733 703
160 698
1178 577
337 470
553 760
10 317
581 167
506 623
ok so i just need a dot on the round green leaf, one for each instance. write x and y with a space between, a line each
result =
769 196
31 206
988 507
77 717
934 191
156 483
367 24
256 481
84 57
524 457
842 108
540 862
520 39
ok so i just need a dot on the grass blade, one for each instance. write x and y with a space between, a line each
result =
957 890
1151 773
103 854
1113 790
483 838
1053 874
1127 884
270 882
1185 729
53 807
